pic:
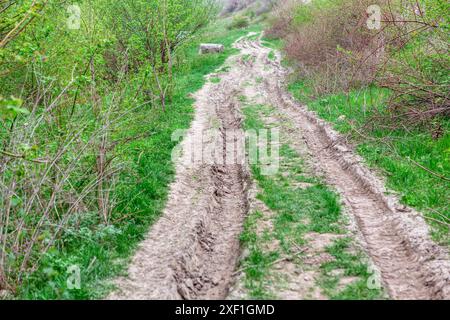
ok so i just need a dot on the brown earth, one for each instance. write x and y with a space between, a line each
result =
192 251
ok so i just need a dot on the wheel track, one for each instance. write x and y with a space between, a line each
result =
192 250
412 266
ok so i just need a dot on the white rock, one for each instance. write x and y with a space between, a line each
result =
210 48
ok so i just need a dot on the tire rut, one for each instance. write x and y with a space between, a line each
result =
412 266
192 250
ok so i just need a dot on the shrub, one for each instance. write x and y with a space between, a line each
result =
239 22
329 40
417 67
71 104
281 19
333 47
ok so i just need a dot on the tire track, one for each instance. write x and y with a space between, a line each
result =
412 266
192 250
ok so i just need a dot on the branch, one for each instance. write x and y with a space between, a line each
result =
428 170
23 156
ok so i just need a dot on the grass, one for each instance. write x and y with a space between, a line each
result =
102 251
351 265
393 152
399 154
297 211
257 263
273 43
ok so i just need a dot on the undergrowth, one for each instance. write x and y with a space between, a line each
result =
404 156
103 251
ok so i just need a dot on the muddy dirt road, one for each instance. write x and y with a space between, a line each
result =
192 251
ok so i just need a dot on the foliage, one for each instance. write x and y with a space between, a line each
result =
397 113
77 100
329 41
239 22
394 152
334 46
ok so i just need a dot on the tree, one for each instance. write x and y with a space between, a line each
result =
159 28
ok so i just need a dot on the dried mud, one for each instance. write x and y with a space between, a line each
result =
192 251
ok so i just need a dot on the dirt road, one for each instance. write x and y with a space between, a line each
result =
192 251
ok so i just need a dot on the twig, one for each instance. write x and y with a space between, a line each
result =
440 214
428 170
23 156
438 221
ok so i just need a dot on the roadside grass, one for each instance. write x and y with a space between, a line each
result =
102 251
399 154
273 43
301 204
257 263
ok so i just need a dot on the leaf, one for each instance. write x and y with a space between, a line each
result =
11 108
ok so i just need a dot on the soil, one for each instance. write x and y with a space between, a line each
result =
193 250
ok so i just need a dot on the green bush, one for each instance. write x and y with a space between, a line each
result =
239 22
82 124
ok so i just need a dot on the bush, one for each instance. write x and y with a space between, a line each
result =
332 46
417 67
329 41
239 22
281 19
73 100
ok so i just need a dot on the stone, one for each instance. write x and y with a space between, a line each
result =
211 48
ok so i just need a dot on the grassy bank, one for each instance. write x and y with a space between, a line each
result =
102 251
410 159
412 155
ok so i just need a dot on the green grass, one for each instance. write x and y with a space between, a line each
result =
257 263
101 251
394 152
273 43
297 211
352 265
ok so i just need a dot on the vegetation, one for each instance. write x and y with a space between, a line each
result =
239 22
90 96
92 91
385 86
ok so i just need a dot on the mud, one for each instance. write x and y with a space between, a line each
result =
192 251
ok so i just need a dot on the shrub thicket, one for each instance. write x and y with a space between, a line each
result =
78 84
334 44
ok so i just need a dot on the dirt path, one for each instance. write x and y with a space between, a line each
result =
192 251
396 238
